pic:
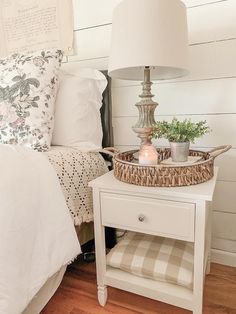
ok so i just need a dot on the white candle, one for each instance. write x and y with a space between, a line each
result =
148 155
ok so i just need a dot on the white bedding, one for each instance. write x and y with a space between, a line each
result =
37 235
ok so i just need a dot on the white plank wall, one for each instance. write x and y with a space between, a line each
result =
208 92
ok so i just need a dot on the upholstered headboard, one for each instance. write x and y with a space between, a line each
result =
106 115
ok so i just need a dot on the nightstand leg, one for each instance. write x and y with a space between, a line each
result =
100 249
102 295
208 268
208 237
199 250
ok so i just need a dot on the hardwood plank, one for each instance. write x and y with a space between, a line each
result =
77 295
222 279
222 270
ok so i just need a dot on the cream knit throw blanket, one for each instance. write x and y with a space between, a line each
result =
75 169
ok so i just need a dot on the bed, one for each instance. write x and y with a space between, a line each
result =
62 172
74 169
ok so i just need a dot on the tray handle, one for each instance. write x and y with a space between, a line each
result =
219 150
112 151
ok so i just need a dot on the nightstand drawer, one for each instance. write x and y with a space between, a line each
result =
149 215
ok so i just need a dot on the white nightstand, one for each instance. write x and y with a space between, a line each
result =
181 213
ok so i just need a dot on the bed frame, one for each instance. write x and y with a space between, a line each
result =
108 141
106 115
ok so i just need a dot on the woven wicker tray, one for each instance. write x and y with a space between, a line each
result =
163 175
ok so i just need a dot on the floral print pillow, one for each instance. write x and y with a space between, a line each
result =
28 87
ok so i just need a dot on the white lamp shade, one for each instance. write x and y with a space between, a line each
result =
149 33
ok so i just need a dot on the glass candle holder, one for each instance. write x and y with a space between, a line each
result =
148 155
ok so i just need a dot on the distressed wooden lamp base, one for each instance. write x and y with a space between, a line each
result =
146 108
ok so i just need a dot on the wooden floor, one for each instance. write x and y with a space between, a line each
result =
77 295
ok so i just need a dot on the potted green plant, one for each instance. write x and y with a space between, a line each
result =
180 134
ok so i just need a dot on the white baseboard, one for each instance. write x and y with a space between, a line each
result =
223 257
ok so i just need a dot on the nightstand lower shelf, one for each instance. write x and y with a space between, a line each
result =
157 290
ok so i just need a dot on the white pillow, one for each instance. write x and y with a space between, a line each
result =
28 87
77 113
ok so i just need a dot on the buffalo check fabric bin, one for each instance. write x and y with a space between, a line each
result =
155 258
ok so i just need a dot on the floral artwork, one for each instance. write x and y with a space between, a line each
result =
28 87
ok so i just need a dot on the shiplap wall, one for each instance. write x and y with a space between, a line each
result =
209 92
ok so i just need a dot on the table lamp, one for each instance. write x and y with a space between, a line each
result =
149 38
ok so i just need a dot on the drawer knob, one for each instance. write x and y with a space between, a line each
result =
141 218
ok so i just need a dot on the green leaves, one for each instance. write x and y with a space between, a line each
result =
21 89
23 85
19 78
180 131
2 94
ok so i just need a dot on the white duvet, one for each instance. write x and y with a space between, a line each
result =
37 235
